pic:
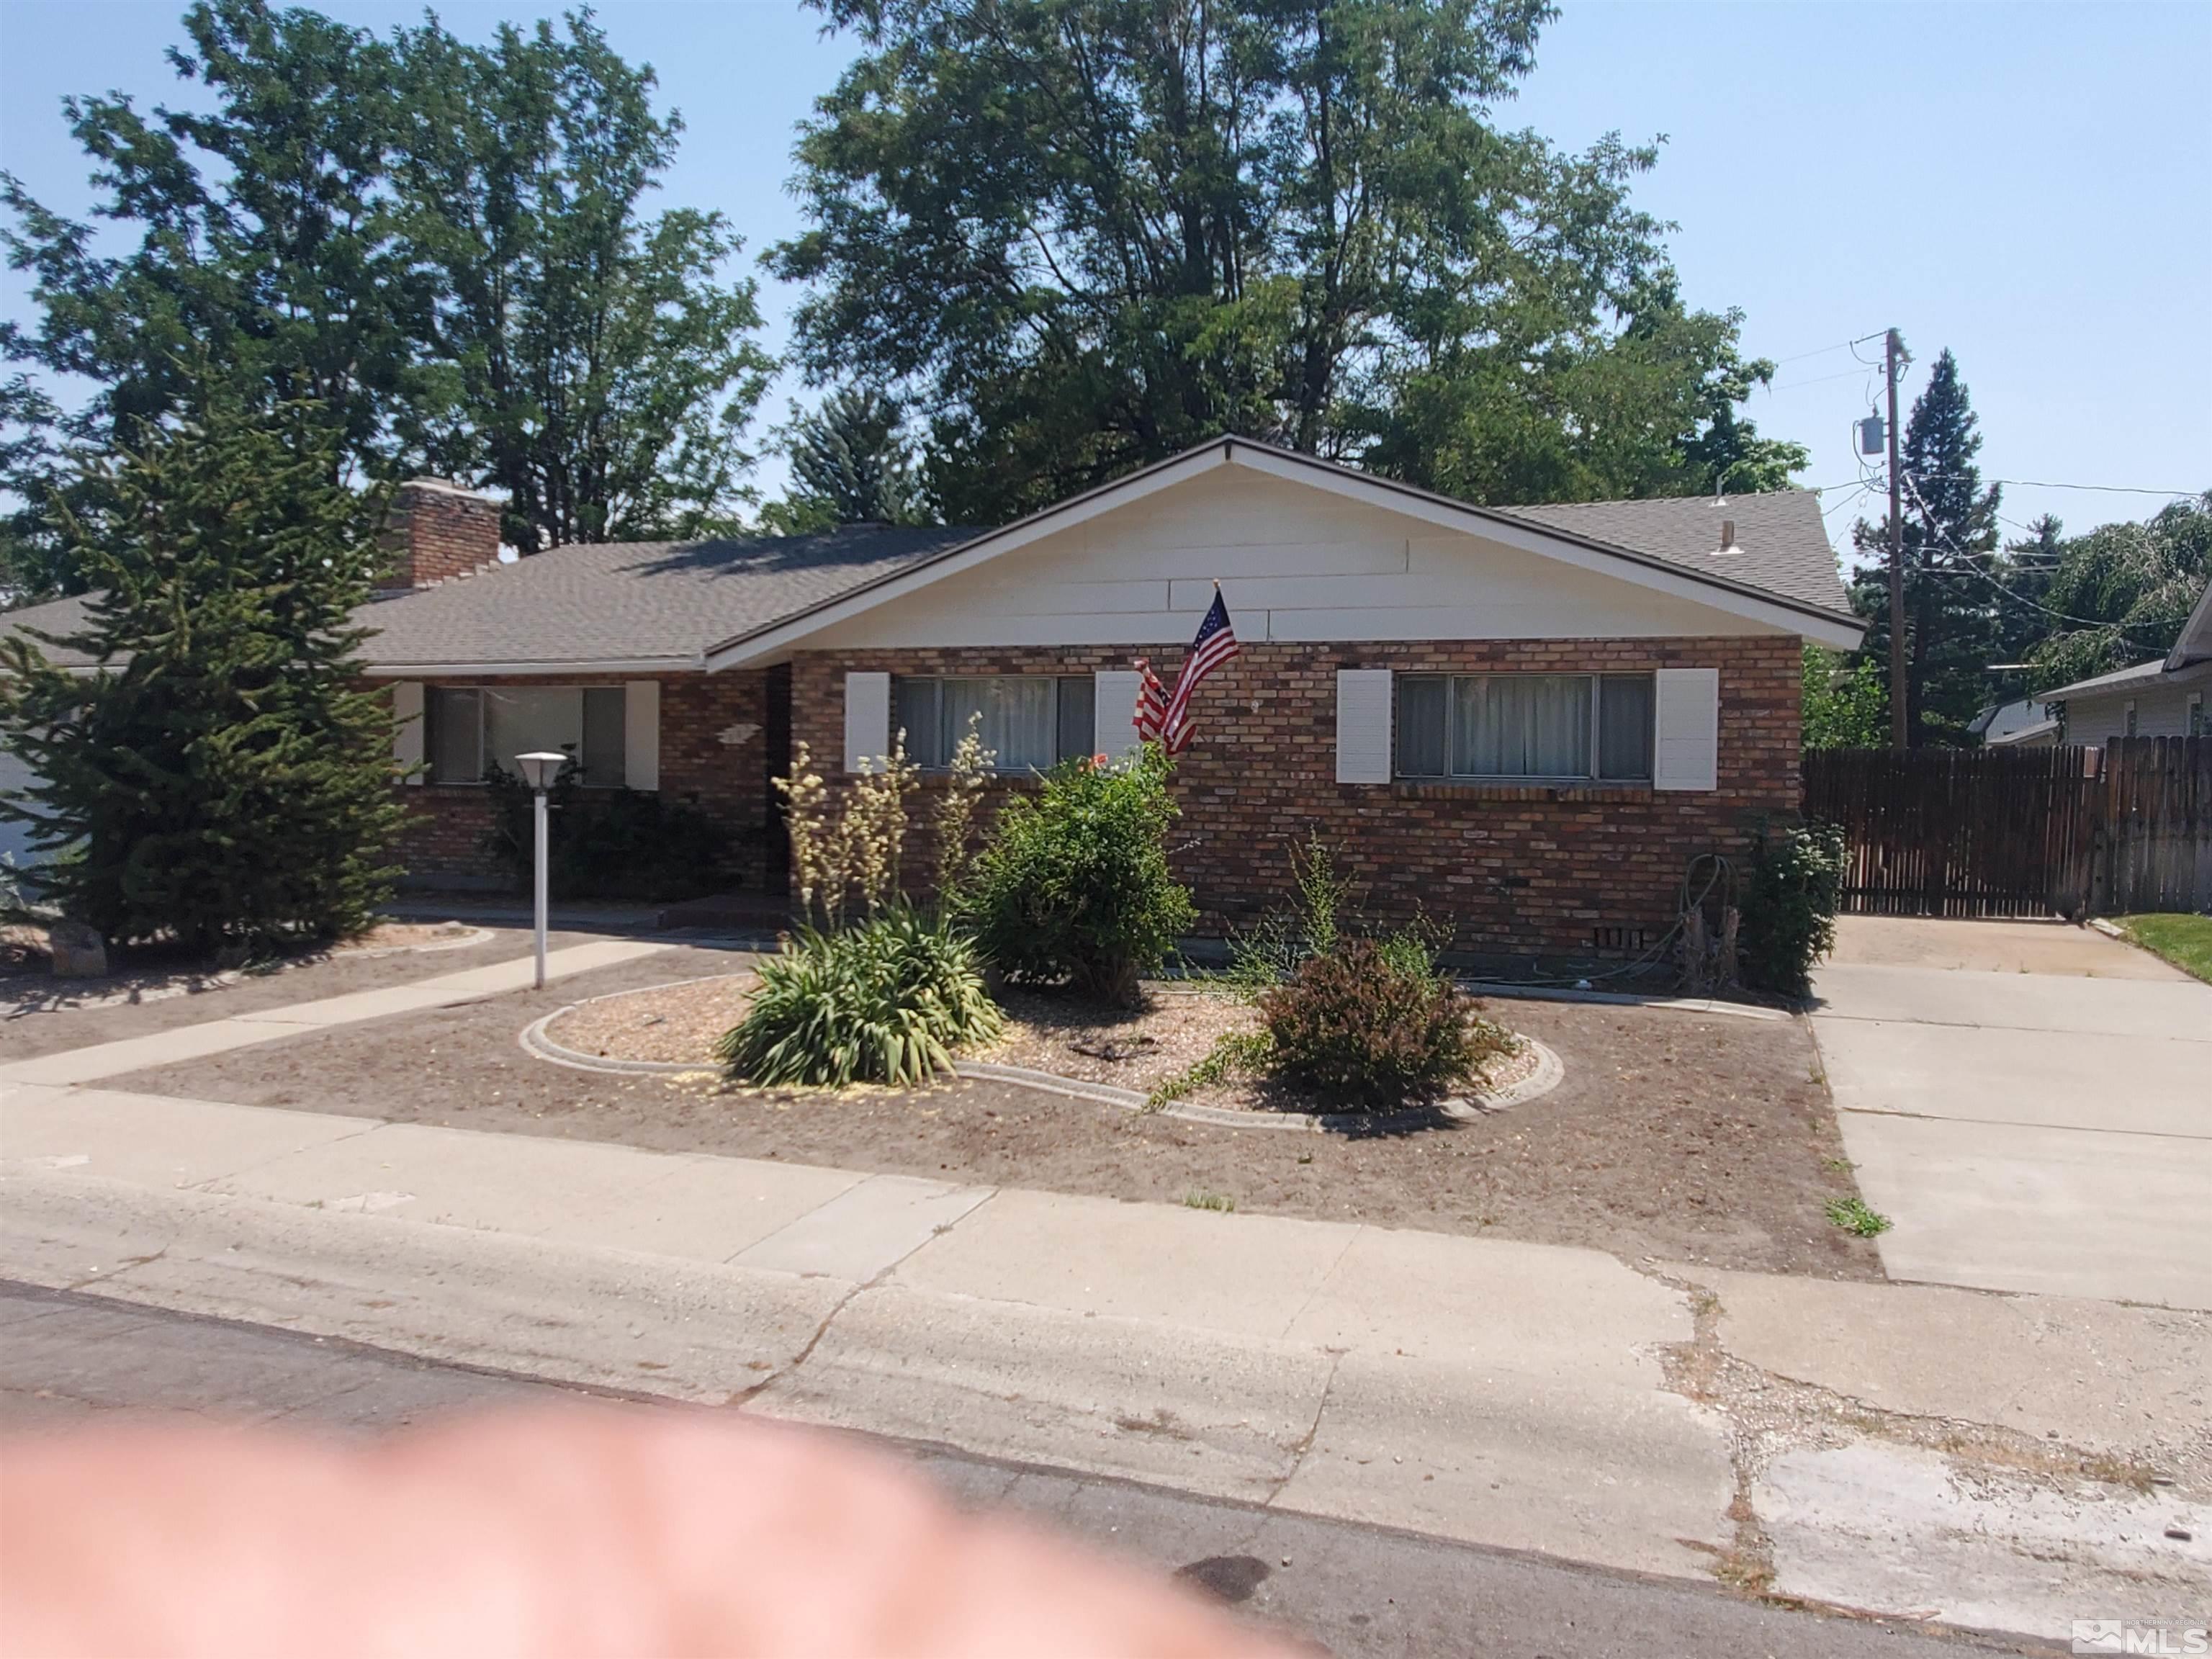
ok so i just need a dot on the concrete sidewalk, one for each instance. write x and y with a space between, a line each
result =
2031 1104
107 1059
1485 1391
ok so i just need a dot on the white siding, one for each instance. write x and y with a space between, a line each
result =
1686 753
2161 711
1113 712
1295 563
15 774
868 719
407 729
1362 726
641 735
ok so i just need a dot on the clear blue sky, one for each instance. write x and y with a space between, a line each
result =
2030 186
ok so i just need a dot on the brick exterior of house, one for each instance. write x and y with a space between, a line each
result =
1588 871
716 735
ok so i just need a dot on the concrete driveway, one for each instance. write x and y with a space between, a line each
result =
2030 1103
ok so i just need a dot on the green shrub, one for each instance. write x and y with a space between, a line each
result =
1270 951
609 843
1073 888
1788 911
1373 1026
886 1001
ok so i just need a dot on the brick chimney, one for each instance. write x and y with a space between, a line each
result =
437 530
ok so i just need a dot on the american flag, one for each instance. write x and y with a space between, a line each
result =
1215 645
1151 713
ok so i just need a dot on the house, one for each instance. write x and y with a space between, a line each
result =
1521 723
2023 723
2162 698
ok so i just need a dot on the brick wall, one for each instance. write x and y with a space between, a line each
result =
714 736
436 531
1509 870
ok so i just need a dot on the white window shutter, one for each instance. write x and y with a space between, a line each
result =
1362 726
407 729
641 735
1685 751
868 719
1114 711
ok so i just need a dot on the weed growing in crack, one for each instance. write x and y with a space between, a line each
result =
1853 1215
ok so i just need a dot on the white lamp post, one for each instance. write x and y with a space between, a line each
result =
538 771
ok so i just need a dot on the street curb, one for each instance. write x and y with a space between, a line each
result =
1550 1073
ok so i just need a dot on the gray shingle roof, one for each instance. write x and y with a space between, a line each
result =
638 602
1785 546
60 616
647 603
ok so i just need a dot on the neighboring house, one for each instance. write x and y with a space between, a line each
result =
1521 723
2163 698
2025 723
59 617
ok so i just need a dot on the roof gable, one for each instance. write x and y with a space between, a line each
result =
1776 581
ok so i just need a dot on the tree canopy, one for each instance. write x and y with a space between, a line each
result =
851 463
1085 234
2119 595
446 248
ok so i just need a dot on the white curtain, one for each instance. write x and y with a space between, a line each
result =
1018 723
1521 726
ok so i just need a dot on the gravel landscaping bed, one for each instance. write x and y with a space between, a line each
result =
667 1024
1675 1136
1137 1049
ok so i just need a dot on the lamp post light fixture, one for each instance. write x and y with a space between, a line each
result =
538 770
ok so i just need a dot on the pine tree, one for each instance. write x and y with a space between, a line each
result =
225 779
851 464
1950 532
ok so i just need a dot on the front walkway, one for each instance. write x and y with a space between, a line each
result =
2030 1103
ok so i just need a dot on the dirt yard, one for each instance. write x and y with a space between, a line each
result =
1677 1136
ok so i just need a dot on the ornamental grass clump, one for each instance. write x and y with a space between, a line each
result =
1373 1025
884 1001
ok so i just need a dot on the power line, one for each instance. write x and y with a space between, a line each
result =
1928 517
2046 483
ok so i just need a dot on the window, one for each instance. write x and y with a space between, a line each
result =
1562 727
472 728
1029 721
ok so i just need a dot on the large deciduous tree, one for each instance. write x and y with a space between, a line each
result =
446 247
1950 534
1084 234
2120 593
224 778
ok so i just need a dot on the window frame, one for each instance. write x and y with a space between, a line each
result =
435 693
1595 778
1057 681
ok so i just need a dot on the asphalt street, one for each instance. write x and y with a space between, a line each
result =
67 1359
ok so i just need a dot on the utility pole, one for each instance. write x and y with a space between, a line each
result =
1900 729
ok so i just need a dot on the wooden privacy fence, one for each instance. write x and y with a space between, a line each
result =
2020 832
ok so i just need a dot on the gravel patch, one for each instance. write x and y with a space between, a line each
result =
668 1024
